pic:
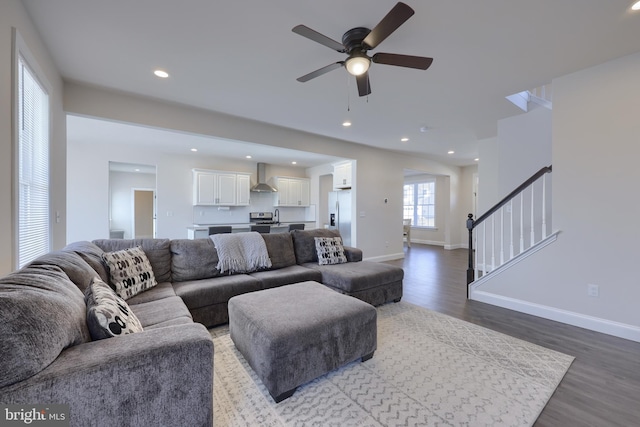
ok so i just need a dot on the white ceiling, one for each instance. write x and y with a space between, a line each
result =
96 131
241 58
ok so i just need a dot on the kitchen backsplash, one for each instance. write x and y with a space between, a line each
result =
260 202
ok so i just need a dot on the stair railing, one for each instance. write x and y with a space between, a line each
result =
497 240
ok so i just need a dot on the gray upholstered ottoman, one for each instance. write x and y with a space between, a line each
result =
293 334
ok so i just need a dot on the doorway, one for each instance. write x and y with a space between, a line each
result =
127 183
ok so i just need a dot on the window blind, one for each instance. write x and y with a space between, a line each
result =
33 166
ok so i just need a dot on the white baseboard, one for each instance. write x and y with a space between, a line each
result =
439 243
428 242
458 246
609 327
382 258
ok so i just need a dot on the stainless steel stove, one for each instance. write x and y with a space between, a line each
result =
261 218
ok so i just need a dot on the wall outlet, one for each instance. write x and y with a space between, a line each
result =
593 290
169 213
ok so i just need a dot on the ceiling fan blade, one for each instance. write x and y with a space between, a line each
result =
396 17
364 86
409 61
319 72
307 32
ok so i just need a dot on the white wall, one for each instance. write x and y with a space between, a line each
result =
524 144
88 195
13 15
488 173
595 155
372 185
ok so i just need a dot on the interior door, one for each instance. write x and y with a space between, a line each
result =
143 214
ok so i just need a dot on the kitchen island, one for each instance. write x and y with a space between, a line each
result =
201 231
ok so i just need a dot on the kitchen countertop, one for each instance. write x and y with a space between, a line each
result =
247 225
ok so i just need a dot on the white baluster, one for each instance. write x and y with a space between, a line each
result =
511 237
544 206
493 242
502 235
521 222
484 248
533 230
475 255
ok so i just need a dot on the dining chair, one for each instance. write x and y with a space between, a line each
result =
406 231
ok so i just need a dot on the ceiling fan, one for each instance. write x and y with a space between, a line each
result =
357 41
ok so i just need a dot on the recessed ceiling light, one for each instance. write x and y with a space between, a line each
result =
162 74
636 6
346 123
476 159
294 163
405 139
194 149
450 152
137 170
247 157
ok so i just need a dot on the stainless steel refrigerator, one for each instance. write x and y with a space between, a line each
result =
340 213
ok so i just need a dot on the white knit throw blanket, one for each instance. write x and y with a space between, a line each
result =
241 252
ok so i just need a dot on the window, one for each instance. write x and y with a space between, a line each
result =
33 234
419 203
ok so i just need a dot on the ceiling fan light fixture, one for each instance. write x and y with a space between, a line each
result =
357 64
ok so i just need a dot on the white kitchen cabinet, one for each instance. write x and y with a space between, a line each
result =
226 189
291 191
218 188
243 188
342 175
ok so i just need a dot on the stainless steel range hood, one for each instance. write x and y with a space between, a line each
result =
262 186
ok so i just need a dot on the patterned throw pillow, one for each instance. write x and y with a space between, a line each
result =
108 315
330 250
130 271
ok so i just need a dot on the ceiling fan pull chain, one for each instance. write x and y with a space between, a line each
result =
348 94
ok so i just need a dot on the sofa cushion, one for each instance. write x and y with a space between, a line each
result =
286 276
108 315
130 271
280 249
41 313
160 291
193 259
160 311
158 252
92 255
330 251
304 243
206 292
73 265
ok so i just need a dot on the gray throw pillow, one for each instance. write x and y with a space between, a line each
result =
108 315
330 250
130 271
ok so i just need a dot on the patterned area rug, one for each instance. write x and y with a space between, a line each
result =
429 370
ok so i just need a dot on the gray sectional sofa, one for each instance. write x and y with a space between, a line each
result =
164 374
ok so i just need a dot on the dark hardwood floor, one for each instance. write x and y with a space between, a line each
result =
602 387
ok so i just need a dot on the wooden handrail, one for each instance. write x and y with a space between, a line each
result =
471 223
511 195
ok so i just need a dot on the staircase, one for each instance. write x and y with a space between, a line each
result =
541 95
514 228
